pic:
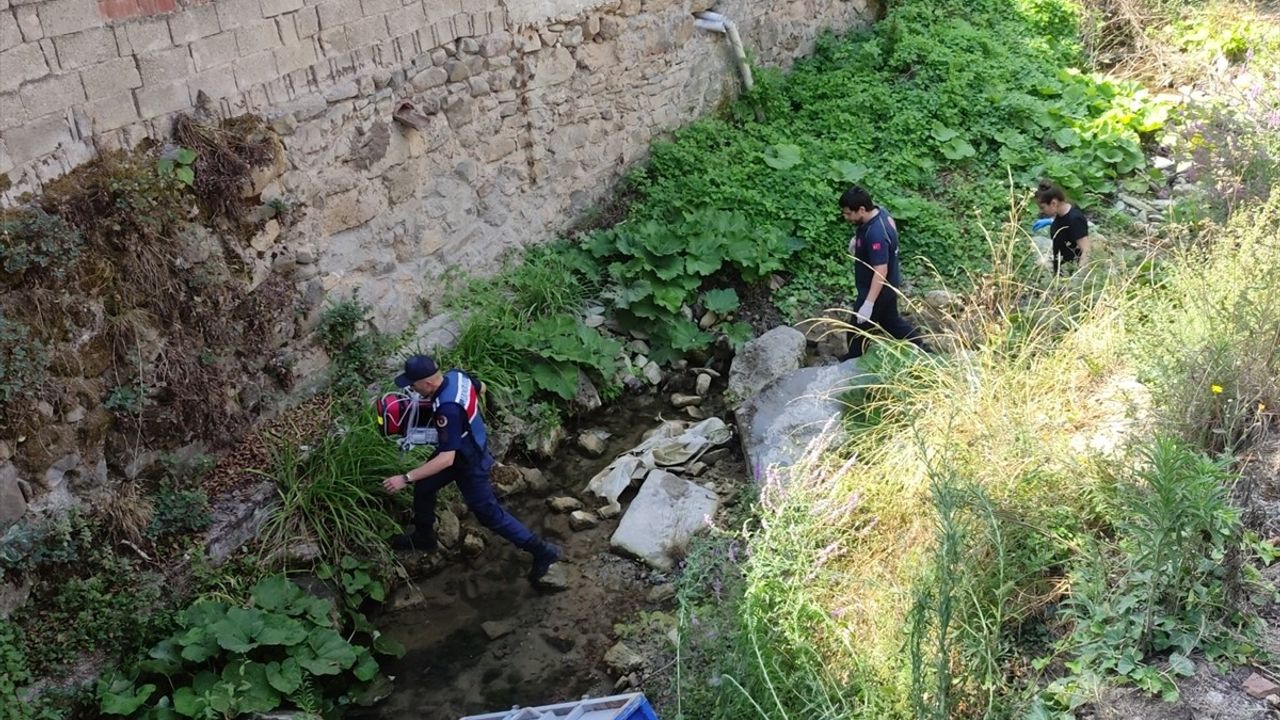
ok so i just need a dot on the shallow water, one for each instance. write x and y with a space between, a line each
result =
553 652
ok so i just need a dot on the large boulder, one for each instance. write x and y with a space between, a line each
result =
778 424
13 501
765 359
666 513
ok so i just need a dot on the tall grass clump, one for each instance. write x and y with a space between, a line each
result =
1212 353
331 495
990 496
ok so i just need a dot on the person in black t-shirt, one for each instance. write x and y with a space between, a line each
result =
1070 229
874 247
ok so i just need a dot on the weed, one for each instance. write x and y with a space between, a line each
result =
24 363
32 239
179 512
356 350
127 399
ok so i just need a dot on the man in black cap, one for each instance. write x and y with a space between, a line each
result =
462 456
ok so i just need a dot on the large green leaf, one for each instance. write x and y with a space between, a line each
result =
387 646
1066 138
198 644
782 157
847 172
284 676
163 659
236 632
122 697
253 691
281 630
957 149
366 667
187 703
324 653
276 594
722 301
203 613
556 377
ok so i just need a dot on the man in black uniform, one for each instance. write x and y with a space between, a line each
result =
1070 229
874 247
462 456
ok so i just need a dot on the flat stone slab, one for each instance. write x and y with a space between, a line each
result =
666 513
778 424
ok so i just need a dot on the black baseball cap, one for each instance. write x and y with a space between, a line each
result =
416 368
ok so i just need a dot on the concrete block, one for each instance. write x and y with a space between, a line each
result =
367 31
337 13
38 138
165 67
214 50
306 22
111 78
217 83
258 37
334 42
20 64
144 36
378 7
52 93
438 10
287 31
112 112
157 100
88 47
293 58
12 113
28 17
272 8
406 19
193 23
63 17
10 33
234 14
254 70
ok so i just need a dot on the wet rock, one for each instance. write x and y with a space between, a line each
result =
562 642
448 529
495 629
405 597
13 595
592 442
238 518
586 398
507 480
623 660
564 504
661 593
13 502
778 424
545 442
1259 687
610 511
556 579
666 513
652 373
696 468
472 545
695 412
764 360
639 347
703 384
583 520
940 299
593 321
680 400
708 320
535 482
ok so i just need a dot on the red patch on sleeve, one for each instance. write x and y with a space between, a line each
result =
875 246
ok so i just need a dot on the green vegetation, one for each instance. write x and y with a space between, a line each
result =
356 351
32 238
281 647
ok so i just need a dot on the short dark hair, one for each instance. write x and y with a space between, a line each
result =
1048 191
857 198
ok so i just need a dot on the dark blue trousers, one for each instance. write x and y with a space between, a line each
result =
477 492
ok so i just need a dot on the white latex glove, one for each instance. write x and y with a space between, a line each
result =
863 314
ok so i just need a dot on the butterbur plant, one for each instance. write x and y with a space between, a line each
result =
283 648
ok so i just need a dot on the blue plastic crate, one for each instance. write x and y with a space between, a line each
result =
632 706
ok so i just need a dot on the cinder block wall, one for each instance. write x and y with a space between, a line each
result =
537 107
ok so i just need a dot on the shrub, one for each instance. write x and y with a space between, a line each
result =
179 512
33 239
24 363
356 350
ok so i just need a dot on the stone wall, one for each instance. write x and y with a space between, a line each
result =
535 107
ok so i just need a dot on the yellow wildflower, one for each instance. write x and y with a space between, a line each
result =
1215 389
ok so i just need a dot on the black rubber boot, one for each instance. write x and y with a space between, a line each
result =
544 556
413 542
